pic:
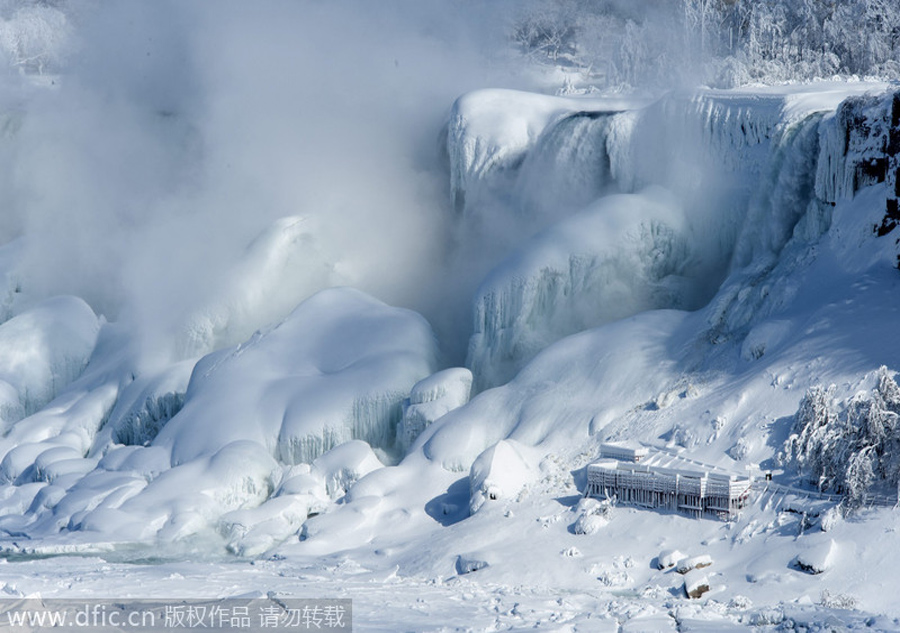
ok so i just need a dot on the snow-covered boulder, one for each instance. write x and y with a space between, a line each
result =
696 583
592 515
818 557
336 369
432 398
500 472
694 562
473 561
41 351
668 558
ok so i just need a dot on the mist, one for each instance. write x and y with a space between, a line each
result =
178 134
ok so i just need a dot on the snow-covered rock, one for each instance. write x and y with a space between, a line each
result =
472 561
668 558
696 583
818 557
694 562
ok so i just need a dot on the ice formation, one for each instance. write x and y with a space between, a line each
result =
430 399
193 448
41 351
284 265
731 183
337 368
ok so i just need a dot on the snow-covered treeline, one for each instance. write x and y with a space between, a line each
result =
720 42
850 446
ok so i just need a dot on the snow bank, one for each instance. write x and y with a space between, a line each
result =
629 358
500 472
335 370
41 351
430 399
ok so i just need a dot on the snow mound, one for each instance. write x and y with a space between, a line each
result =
430 399
817 558
500 472
467 563
41 351
592 515
344 465
336 369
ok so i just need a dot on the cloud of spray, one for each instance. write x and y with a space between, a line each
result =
181 131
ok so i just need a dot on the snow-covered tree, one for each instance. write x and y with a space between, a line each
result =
850 447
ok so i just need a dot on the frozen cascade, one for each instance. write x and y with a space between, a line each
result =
490 133
567 168
146 405
855 146
742 175
784 192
